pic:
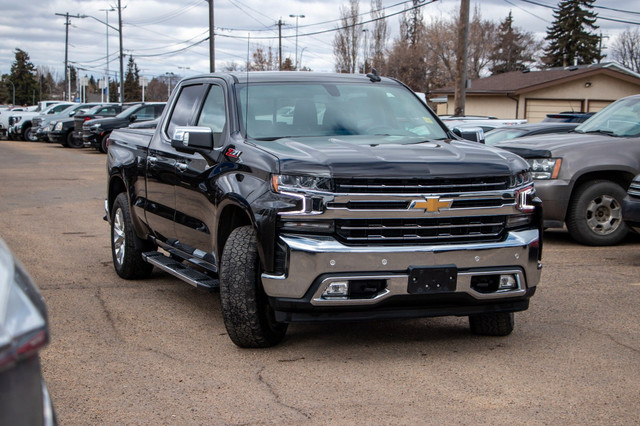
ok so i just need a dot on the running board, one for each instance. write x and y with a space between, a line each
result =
179 270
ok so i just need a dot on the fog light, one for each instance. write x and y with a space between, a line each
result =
336 289
507 282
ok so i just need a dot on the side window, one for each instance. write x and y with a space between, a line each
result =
213 113
157 110
185 106
145 114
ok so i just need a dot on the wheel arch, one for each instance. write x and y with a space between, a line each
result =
232 216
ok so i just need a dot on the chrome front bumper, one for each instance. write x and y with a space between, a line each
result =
319 261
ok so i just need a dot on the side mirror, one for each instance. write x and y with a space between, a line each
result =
475 134
133 118
192 139
72 113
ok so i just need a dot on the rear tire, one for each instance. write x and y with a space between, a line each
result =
495 324
247 314
127 259
594 216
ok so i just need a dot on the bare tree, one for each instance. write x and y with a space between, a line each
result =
264 60
407 59
347 38
626 49
379 37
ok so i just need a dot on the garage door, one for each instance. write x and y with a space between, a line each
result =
595 106
537 109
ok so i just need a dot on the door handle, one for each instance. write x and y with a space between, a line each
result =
151 159
181 166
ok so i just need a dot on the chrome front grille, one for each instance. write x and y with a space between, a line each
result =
634 189
421 186
438 230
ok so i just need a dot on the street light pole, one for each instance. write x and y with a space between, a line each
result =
296 16
121 64
106 74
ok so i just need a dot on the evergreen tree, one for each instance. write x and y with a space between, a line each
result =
23 76
132 89
514 49
570 37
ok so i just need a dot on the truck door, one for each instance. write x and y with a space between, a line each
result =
160 208
195 208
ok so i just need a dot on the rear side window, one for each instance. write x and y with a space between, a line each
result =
185 107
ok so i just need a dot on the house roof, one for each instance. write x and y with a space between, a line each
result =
517 82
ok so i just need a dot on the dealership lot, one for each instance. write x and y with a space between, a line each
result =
156 351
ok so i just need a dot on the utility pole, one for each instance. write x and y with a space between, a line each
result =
121 64
279 44
212 43
461 63
67 83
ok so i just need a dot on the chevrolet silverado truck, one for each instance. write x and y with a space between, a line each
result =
309 197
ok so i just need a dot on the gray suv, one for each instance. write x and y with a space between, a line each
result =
582 177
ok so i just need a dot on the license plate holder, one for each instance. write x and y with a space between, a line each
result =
432 279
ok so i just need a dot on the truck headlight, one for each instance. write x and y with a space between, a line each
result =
293 183
308 191
58 127
545 168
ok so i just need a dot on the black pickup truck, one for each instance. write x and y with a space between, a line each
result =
318 197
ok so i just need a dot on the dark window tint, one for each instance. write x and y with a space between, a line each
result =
145 113
213 113
185 107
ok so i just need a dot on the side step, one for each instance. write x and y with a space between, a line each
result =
179 270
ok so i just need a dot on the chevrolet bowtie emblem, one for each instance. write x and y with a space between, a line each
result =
431 204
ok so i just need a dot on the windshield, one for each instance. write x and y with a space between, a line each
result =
280 110
499 135
621 118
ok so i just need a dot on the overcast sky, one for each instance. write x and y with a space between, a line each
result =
156 32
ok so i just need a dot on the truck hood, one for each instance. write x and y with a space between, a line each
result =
547 146
389 156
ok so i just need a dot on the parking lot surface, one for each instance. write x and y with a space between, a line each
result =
156 351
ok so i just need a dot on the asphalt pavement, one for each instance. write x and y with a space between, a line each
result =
155 351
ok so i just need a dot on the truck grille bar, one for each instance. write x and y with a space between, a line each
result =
422 231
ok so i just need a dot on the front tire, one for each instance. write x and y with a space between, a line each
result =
127 259
495 324
246 311
594 216
73 142
103 143
30 135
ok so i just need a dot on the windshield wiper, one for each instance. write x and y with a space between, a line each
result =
603 132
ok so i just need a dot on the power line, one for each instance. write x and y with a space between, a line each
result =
604 18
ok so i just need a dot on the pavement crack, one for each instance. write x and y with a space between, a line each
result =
276 396
601 333
107 313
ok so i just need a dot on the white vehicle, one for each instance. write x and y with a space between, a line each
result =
20 126
4 118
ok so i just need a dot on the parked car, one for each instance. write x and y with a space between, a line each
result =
103 111
21 126
96 132
4 118
487 123
41 122
506 133
631 205
24 331
582 177
568 117
322 197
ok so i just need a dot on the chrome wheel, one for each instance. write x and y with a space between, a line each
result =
604 215
118 236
